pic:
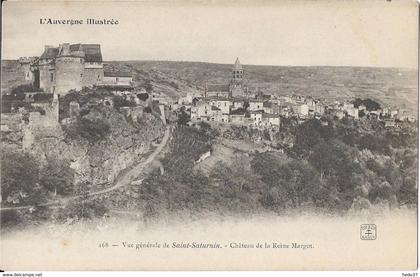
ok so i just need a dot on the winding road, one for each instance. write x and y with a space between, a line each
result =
125 179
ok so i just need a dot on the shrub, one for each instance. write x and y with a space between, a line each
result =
119 102
91 130
22 88
143 96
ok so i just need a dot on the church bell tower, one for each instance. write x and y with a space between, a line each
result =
236 84
237 72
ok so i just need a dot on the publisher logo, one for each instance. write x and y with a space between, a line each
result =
368 231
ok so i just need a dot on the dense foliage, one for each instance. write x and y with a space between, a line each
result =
26 181
335 167
93 130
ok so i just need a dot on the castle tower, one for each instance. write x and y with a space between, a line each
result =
25 64
69 68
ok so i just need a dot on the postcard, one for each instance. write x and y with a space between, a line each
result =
209 135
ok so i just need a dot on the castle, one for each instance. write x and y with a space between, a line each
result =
234 89
67 67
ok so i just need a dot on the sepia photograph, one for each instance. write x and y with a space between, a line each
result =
209 135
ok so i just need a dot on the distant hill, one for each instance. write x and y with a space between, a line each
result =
390 86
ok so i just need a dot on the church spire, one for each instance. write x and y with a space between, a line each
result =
237 64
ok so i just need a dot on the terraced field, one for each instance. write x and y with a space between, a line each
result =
186 146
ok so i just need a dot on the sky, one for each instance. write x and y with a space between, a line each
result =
375 33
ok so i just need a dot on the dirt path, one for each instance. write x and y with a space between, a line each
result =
123 180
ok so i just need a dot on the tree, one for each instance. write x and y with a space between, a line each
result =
92 130
307 136
20 178
183 117
143 96
58 177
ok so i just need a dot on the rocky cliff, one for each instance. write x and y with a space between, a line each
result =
98 163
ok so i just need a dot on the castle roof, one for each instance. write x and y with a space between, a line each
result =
217 87
49 53
92 52
237 64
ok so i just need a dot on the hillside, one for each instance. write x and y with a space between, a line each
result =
390 86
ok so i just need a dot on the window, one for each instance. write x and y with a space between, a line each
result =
52 77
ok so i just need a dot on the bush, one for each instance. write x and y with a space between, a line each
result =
83 209
43 97
19 176
22 88
143 96
119 102
58 177
92 130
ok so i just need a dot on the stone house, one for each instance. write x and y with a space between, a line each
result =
117 79
269 120
256 105
256 117
224 104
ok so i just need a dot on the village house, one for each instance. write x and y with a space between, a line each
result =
200 110
119 79
256 117
270 120
216 91
224 104
238 103
303 110
256 104
237 119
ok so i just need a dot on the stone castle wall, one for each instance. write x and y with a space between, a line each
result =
69 72
26 69
92 76
45 82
